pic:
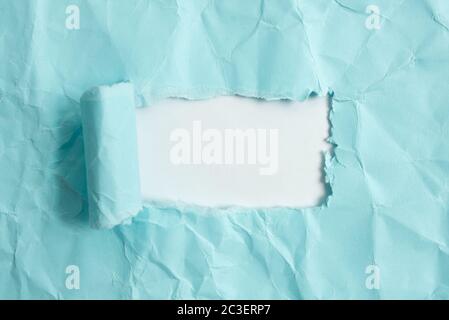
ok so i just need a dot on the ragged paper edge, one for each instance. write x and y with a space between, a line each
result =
146 100
123 218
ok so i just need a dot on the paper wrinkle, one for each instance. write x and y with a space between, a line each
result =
387 208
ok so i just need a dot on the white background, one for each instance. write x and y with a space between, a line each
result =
303 129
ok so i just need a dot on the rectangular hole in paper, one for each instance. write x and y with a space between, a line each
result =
234 151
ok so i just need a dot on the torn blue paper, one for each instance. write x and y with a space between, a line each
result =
110 150
388 214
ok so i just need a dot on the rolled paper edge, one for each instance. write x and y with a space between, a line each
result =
124 217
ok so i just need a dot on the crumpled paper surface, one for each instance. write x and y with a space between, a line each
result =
388 173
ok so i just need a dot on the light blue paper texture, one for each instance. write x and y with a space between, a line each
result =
110 148
388 173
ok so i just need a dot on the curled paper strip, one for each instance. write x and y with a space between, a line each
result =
110 140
